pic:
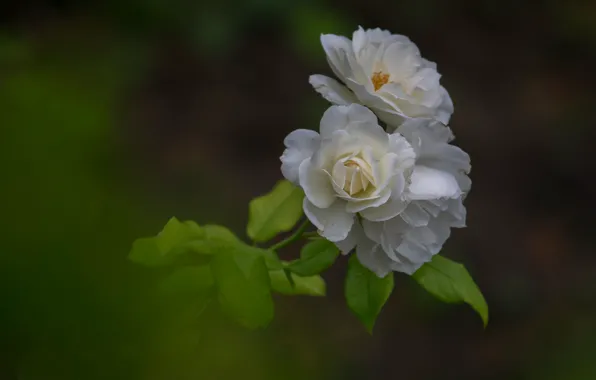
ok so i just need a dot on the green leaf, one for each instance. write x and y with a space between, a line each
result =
214 240
275 212
189 280
165 247
218 233
219 239
176 232
310 285
315 257
271 259
450 282
244 294
365 292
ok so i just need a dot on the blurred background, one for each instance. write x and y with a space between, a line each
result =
116 115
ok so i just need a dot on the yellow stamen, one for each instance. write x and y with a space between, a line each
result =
379 79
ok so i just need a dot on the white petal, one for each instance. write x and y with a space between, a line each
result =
354 117
415 216
332 90
373 230
359 40
392 235
384 171
405 267
430 141
366 52
349 243
430 183
440 131
446 108
369 133
333 222
423 235
432 207
359 113
388 234
366 94
386 211
338 50
393 231
414 252
373 257
326 156
360 205
392 92
378 35
426 79
392 207
402 60
410 107
457 211
334 119
316 184
338 175
464 182
300 145
404 151
430 64
441 229
451 156
393 117
303 140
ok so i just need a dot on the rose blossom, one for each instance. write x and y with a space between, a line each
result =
392 198
386 73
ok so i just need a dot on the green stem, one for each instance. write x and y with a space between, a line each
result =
295 236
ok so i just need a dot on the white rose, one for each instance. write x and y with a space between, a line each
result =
385 72
406 242
355 168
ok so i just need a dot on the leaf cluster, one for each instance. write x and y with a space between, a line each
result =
214 263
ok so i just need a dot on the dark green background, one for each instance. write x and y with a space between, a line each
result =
116 115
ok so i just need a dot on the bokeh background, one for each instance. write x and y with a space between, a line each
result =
116 115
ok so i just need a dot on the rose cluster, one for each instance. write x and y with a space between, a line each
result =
391 193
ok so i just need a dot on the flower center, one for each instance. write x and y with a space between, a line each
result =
358 176
379 78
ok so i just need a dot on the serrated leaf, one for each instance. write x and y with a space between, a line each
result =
187 280
365 292
450 282
163 249
309 285
244 295
275 212
315 257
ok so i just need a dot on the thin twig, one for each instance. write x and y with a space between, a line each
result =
295 236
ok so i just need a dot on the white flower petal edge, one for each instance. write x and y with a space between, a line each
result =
334 223
316 185
385 72
300 145
332 90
